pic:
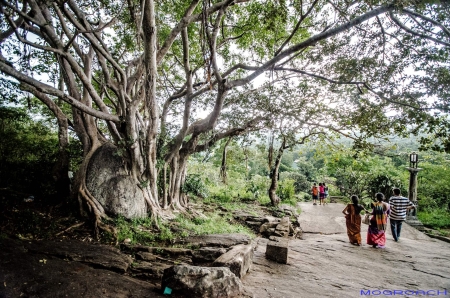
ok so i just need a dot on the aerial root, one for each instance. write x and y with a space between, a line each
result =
97 210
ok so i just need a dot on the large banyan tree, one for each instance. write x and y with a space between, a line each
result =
145 84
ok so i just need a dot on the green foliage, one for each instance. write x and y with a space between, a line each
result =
384 184
286 190
194 185
301 183
212 224
28 151
435 218
434 184
137 230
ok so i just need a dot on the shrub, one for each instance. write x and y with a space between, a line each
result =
435 218
194 185
286 190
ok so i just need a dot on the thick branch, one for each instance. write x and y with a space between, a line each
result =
8 70
229 133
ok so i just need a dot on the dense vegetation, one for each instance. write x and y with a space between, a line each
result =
29 146
154 103
158 82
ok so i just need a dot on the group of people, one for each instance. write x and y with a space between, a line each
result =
319 193
395 210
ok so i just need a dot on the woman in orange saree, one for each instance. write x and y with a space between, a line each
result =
353 221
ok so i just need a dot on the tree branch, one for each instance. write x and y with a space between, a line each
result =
41 87
412 32
311 41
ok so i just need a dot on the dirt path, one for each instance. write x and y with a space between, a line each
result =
325 264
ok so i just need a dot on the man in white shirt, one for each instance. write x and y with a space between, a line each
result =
399 206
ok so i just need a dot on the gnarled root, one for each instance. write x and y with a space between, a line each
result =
97 211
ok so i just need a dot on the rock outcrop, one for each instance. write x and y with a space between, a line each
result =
239 259
193 281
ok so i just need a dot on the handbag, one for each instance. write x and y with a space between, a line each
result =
366 219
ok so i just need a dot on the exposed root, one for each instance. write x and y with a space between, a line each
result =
97 210
109 229
70 228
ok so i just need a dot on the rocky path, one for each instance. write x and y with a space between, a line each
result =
325 264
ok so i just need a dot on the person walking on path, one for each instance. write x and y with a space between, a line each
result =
326 193
376 235
399 206
315 193
322 194
353 220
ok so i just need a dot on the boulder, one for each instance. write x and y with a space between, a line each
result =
277 249
108 181
239 259
218 240
298 233
284 228
207 254
193 281
268 228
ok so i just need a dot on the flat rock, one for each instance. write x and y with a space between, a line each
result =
238 259
98 255
325 264
165 251
254 224
146 256
193 281
207 254
149 270
218 240
25 271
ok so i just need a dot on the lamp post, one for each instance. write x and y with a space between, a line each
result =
411 218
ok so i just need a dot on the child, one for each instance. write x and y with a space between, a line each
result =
315 193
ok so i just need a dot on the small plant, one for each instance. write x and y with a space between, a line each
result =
137 230
165 234
144 184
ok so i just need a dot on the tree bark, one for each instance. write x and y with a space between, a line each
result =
274 199
223 167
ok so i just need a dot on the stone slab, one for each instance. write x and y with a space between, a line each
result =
278 250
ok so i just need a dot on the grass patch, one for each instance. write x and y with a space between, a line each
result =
213 224
137 230
435 218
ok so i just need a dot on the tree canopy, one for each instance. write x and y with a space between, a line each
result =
163 80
